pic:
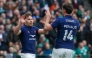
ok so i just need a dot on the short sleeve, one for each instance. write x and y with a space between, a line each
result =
22 28
55 24
36 30
21 34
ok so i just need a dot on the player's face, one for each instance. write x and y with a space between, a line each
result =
29 21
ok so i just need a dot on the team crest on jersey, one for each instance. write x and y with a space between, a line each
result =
34 31
28 32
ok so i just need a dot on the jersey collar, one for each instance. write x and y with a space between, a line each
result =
68 16
28 26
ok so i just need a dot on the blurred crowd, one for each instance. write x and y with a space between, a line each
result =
12 10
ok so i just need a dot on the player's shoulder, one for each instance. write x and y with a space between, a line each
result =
77 21
63 18
34 27
23 27
60 19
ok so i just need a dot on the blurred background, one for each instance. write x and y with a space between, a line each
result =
11 10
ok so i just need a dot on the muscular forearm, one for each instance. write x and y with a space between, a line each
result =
47 25
21 22
44 30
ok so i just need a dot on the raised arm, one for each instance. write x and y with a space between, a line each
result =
43 31
17 29
48 26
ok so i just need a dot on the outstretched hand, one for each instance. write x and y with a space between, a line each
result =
21 20
48 15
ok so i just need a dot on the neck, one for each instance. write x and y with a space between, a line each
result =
25 24
66 14
28 25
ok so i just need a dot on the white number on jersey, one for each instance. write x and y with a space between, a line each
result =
68 35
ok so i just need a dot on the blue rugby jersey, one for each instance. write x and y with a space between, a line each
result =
28 39
66 27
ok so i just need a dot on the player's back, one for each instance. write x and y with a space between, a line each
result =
66 31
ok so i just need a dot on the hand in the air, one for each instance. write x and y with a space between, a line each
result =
21 20
48 15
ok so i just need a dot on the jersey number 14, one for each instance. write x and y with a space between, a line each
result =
68 35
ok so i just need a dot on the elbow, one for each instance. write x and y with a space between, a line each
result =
45 29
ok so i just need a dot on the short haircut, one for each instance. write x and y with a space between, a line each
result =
68 7
28 14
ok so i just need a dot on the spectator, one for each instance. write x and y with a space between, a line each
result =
89 34
1 20
36 15
80 12
3 40
11 37
58 14
82 51
2 10
24 10
85 44
10 7
16 14
81 2
75 3
22 3
17 51
81 33
3 15
47 51
10 54
39 50
43 40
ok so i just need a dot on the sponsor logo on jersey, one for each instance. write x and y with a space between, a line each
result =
34 31
32 35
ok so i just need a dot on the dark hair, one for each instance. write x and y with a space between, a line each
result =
68 7
28 14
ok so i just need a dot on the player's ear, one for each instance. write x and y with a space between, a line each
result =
64 10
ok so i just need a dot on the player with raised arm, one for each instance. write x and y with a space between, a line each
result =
27 34
67 27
